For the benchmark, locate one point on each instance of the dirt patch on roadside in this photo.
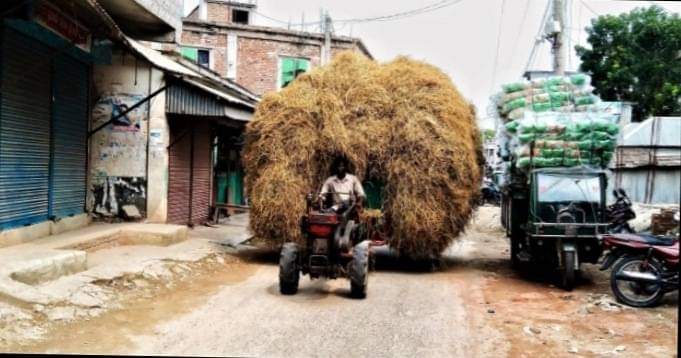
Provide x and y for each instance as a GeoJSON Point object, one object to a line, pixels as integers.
{"type": "Point", "coordinates": [547, 321]}
{"type": "Point", "coordinates": [141, 307]}
{"type": "Point", "coordinates": [535, 318]}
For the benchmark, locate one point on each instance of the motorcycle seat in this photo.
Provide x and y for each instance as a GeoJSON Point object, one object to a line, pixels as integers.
{"type": "Point", "coordinates": [657, 240]}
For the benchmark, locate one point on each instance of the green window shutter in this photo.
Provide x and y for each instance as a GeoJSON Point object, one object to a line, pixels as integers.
{"type": "Point", "coordinates": [290, 67]}
{"type": "Point", "coordinates": [288, 70]}
{"type": "Point", "coordinates": [190, 53]}
{"type": "Point", "coordinates": [302, 64]}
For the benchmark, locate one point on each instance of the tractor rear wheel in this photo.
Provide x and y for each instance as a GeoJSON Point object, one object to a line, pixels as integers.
{"type": "Point", "coordinates": [359, 270]}
{"type": "Point", "coordinates": [289, 274]}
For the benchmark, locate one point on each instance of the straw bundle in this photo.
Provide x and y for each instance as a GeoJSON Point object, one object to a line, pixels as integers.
{"type": "Point", "coordinates": [402, 123]}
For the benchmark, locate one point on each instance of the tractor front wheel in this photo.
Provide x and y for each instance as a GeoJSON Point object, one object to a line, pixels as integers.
{"type": "Point", "coordinates": [289, 274]}
{"type": "Point", "coordinates": [359, 270]}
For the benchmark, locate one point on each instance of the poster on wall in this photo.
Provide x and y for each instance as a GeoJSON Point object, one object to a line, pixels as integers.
{"type": "Point", "coordinates": [112, 195]}
{"type": "Point", "coordinates": [118, 155]}
{"type": "Point", "coordinates": [110, 108]}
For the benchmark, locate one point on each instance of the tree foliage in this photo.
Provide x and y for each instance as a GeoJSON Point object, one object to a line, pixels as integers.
{"type": "Point", "coordinates": [636, 57]}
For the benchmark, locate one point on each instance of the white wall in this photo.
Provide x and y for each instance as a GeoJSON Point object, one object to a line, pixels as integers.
{"type": "Point", "coordinates": [118, 172]}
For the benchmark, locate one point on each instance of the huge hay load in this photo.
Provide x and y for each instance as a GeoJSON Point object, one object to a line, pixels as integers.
{"type": "Point", "coordinates": [403, 124]}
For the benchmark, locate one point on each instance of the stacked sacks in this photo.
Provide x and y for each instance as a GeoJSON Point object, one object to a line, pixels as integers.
{"type": "Point", "coordinates": [558, 94]}
{"type": "Point", "coordinates": [554, 122]}
{"type": "Point", "coordinates": [562, 139]}
{"type": "Point", "coordinates": [403, 124]}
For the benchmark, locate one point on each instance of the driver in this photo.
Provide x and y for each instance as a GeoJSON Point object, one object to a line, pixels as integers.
{"type": "Point", "coordinates": [343, 186]}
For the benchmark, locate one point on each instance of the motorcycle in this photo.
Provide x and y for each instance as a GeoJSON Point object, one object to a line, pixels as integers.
{"type": "Point", "coordinates": [620, 212]}
{"type": "Point", "coordinates": [646, 267]}
{"type": "Point", "coordinates": [489, 193]}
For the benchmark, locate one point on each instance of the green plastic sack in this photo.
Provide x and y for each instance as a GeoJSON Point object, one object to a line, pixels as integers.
{"type": "Point", "coordinates": [580, 101]}
{"type": "Point", "coordinates": [516, 103]}
{"type": "Point", "coordinates": [571, 162]}
{"type": "Point", "coordinates": [597, 136]}
{"type": "Point", "coordinates": [559, 97]}
{"type": "Point", "coordinates": [523, 162]}
{"type": "Point", "coordinates": [553, 81]}
{"type": "Point", "coordinates": [608, 145]}
{"type": "Point", "coordinates": [572, 135]}
{"type": "Point", "coordinates": [526, 137]}
{"type": "Point", "coordinates": [585, 145]}
{"type": "Point", "coordinates": [513, 87]}
{"type": "Point", "coordinates": [578, 79]}
{"type": "Point", "coordinates": [541, 107]}
{"type": "Point", "coordinates": [512, 126]}
{"type": "Point", "coordinates": [554, 162]}
{"type": "Point", "coordinates": [540, 162]}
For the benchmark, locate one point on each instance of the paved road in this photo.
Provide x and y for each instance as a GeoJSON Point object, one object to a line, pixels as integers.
{"type": "Point", "coordinates": [474, 307]}
{"type": "Point", "coordinates": [404, 315]}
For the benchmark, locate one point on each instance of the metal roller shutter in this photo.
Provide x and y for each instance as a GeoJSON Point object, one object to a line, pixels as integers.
{"type": "Point", "coordinates": [189, 172]}
{"type": "Point", "coordinates": [201, 174]}
{"type": "Point", "coordinates": [24, 130]}
{"type": "Point", "coordinates": [179, 162]}
{"type": "Point", "coordinates": [69, 138]}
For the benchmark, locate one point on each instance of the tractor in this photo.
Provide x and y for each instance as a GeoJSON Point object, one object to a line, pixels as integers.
{"type": "Point", "coordinates": [334, 245]}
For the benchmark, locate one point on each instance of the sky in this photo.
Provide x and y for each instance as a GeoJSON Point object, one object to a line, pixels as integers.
{"type": "Point", "coordinates": [480, 44]}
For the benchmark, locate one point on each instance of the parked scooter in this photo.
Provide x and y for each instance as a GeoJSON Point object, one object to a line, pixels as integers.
{"type": "Point", "coordinates": [646, 267]}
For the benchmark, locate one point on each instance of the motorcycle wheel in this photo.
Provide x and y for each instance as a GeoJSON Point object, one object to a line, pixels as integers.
{"type": "Point", "coordinates": [568, 272]}
{"type": "Point", "coordinates": [632, 293]}
{"type": "Point", "coordinates": [289, 274]}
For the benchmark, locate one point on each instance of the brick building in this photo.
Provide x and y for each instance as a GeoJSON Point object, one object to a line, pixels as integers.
{"type": "Point", "coordinates": [218, 34]}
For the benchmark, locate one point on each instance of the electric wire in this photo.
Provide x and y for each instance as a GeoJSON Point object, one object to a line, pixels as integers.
{"type": "Point", "coordinates": [537, 39]}
{"type": "Point", "coordinates": [496, 56]}
{"type": "Point", "coordinates": [396, 16]}
{"type": "Point", "coordinates": [520, 28]}
{"type": "Point", "coordinates": [589, 8]}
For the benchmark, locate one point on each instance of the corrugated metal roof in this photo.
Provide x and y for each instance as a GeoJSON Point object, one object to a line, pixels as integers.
{"type": "Point", "coordinates": [217, 92]}
{"type": "Point", "coordinates": [655, 131]}
{"type": "Point", "coordinates": [199, 100]}
{"type": "Point", "coordinates": [218, 87]}
{"type": "Point", "coordinates": [159, 60]}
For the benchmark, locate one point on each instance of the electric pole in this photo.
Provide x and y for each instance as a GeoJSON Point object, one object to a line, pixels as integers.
{"type": "Point", "coordinates": [558, 35]}
{"type": "Point", "coordinates": [326, 53]}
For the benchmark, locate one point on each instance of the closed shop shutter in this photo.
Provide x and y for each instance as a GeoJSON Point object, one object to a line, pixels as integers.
{"type": "Point", "coordinates": [24, 130]}
{"type": "Point", "coordinates": [69, 138]}
{"type": "Point", "coordinates": [189, 172]}
{"type": "Point", "coordinates": [179, 162]}
{"type": "Point", "coordinates": [201, 174]}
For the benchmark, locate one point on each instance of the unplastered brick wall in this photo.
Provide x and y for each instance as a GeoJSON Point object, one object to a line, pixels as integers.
{"type": "Point", "coordinates": [215, 12]}
{"type": "Point", "coordinates": [258, 61]}
{"type": "Point", "coordinates": [215, 42]}
{"type": "Point", "coordinates": [218, 12]}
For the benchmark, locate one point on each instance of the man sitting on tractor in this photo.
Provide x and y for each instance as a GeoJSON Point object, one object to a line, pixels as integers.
{"type": "Point", "coordinates": [340, 191]}
{"type": "Point", "coordinates": [342, 186]}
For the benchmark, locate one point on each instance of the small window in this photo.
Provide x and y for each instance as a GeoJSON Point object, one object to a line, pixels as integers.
{"type": "Point", "coordinates": [291, 68]}
{"type": "Point", "coordinates": [240, 17]}
{"type": "Point", "coordinates": [203, 58]}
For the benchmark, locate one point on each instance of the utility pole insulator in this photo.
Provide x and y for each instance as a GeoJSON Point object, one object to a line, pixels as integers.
{"type": "Point", "coordinates": [558, 35]}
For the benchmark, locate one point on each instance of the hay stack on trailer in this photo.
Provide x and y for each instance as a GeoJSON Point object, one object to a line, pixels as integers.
{"type": "Point", "coordinates": [403, 124]}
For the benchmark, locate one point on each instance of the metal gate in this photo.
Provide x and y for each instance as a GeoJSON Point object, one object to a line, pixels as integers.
{"type": "Point", "coordinates": [25, 89]}
{"type": "Point", "coordinates": [69, 138]}
{"type": "Point", "coordinates": [189, 172]}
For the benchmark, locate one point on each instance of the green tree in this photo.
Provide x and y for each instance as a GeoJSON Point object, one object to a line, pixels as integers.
{"type": "Point", "coordinates": [488, 135]}
{"type": "Point", "coordinates": [636, 57]}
